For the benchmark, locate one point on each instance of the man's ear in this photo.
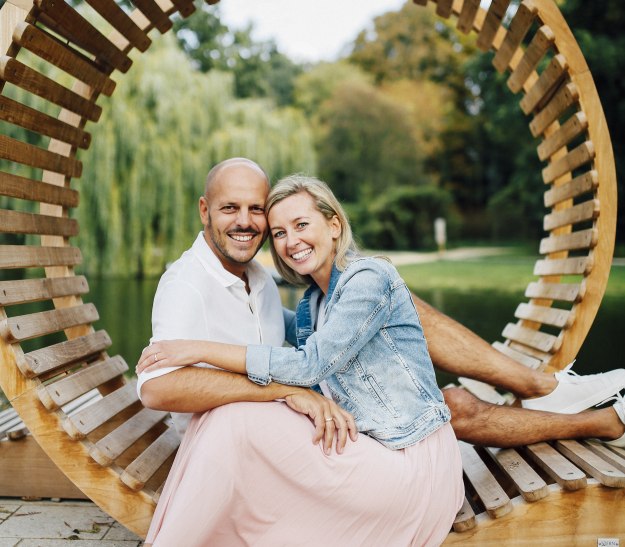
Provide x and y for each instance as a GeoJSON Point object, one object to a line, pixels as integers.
{"type": "Point", "coordinates": [203, 207]}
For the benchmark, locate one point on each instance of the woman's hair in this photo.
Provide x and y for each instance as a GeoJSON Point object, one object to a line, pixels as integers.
{"type": "Point", "coordinates": [327, 204]}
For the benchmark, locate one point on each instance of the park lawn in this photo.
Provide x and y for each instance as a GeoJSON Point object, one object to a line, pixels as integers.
{"type": "Point", "coordinates": [504, 274]}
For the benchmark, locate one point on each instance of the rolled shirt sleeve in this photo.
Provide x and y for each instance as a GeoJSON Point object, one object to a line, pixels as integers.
{"type": "Point", "coordinates": [360, 312]}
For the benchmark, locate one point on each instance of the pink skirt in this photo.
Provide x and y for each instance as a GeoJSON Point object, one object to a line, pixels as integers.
{"type": "Point", "coordinates": [248, 474]}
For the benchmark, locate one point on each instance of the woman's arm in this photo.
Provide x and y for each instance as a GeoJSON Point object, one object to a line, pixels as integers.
{"type": "Point", "coordinates": [173, 353]}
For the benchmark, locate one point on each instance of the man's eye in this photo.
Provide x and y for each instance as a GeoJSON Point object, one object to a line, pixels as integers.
{"type": "Point", "coordinates": [257, 210]}
{"type": "Point", "coordinates": [228, 208]}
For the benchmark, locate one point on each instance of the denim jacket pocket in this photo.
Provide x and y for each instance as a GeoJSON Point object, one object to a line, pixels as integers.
{"type": "Point", "coordinates": [381, 396]}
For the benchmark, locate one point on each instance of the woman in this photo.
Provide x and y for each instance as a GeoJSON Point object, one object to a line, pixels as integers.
{"type": "Point", "coordinates": [359, 338]}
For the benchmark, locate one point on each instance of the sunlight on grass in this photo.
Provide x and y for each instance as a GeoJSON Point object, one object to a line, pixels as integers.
{"type": "Point", "coordinates": [504, 274]}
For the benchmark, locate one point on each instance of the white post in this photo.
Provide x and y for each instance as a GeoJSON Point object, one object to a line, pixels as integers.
{"type": "Point", "coordinates": [440, 233]}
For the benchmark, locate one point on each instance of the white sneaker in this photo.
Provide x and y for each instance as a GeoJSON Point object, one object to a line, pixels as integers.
{"type": "Point", "coordinates": [619, 407]}
{"type": "Point", "coordinates": [575, 393]}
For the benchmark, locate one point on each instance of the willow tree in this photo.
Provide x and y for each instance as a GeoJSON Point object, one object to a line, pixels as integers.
{"type": "Point", "coordinates": [168, 123]}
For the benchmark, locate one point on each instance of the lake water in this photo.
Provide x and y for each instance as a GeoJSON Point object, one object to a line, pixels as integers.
{"type": "Point", "coordinates": [125, 308]}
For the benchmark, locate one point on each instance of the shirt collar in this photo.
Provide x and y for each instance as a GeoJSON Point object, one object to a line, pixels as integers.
{"type": "Point", "coordinates": [213, 265]}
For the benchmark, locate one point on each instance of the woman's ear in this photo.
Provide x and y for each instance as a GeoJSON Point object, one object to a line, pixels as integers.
{"type": "Point", "coordinates": [335, 227]}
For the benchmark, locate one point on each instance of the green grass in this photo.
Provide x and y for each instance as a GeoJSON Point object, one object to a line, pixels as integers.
{"type": "Point", "coordinates": [503, 273]}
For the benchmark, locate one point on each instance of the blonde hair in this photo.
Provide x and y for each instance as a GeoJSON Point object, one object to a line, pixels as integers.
{"type": "Point", "coordinates": [327, 204]}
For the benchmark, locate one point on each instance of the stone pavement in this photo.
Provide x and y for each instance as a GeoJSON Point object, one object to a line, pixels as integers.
{"type": "Point", "coordinates": [49, 523]}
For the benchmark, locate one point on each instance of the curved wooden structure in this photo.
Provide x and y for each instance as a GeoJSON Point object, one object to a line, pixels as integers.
{"type": "Point", "coordinates": [117, 452]}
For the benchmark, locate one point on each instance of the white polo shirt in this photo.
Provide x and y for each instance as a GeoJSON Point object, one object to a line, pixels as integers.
{"type": "Point", "coordinates": [197, 299]}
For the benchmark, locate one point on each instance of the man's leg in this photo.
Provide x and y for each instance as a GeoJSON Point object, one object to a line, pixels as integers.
{"type": "Point", "coordinates": [457, 350]}
{"type": "Point", "coordinates": [486, 424]}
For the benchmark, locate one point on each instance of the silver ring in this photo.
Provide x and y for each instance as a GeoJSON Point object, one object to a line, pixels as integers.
{"type": "Point", "coordinates": [329, 419]}
{"type": "Point", "coordinates": [155, 357]}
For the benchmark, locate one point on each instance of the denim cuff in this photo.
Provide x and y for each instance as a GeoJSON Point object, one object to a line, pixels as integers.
{"type": "Point", "coordinates": [257, 364]}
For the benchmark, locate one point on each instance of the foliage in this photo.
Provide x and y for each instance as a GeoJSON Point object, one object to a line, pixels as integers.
{"type": "Point", "coordinates": [366, 143]}
{"type": "Point", "coordinates": [151, 151]}
{"type": "Point", "coordinates": [402, 218]}
{"type": "Point", "coordinates": [259, 69]}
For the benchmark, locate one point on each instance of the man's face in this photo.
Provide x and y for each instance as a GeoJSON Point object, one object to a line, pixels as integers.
{"type": "Point", "coordinates": [233, 215]}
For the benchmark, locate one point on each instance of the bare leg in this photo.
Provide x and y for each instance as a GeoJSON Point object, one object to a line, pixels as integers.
{"type": "Point", "coordinates": [486, 424]}
{"type": "Point", "coordinates": [457, 350]}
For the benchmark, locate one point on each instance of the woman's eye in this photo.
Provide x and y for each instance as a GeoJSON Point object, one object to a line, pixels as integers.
{"type": "Point", "coordinates": [278, 234]}
{"type": "Point", "coordinates": [302, 224]}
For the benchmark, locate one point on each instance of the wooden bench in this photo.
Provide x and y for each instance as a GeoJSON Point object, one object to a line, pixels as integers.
{"type": "Point", "coordinates": [117, 452]}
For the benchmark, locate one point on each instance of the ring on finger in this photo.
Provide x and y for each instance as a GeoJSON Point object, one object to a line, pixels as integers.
{"type": "Point", "coordinates": [329, 419]}
{"type": "Point", "coordinates": [155, 357]}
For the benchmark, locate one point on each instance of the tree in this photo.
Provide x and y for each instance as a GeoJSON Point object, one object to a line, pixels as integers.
{"type": "Point", "coordinates": [259, 69]}
{"type": "Point", "coordinates": [367, 144]}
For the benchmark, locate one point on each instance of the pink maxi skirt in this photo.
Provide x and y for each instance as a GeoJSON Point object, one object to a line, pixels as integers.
{"type": "Point", "coordinates": [248, 474]}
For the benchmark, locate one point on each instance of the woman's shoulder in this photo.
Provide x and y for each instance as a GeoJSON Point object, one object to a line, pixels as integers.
{"type": "Point", "coordinates": [371, 267]}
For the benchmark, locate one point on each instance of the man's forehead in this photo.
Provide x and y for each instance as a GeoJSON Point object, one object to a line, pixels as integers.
{"type": "Point", "coordinates": [241, 179]}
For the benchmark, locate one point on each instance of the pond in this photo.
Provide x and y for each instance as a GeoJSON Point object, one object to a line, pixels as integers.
{"type": "Point", "coordinates": [125, 308]}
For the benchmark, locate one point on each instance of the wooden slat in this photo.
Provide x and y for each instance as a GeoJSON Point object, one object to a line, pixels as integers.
{"type": "Point", "coordinates": [467, 15]}
{"type": "Point", "coordinates": [549, 79]}
{"type": "Point", "coordinates": [541, 42]}
{"type": "Point", "coordinates": [15, 222]}
{"type": "Point", "coordinates": [185, 7]}
{"type": "Point", "coordinates": [556, 466]}
{"type": "Point", "coordinates": [34, 290]}
{"type": "Point", "coordinates": [155, 14]}
{"type": "Point", "coordinates": [591, 463]}
{"type": "Point", "coordinates": [28, 154]}
{"type": "Point", "coordinates": [580, 265]}
{"type": "Point", "coordinates": [140, 470]}
{"type": "Point", "coordinates": [546, 315]}
{"type": "Point", "coordinates": [418, 2]}
{"type": "Point", "coordinates": [529, 484]}
{"type": "Point", "coordinates": [110, 447]}
{"type": "Point", "coordinates": [570, 130]}
{"type": "Point", "coordinates": [495, 500]}
{"type": "Point", "coordinates": [563, 99]}
{"type": "Point", "coordinates": [588, 182]}
{"type": "Point", "coordinates": [443, 8]}
{"type": "Point", "coordinates": [25, 327]}
{"type": "Point", "coordinates": [71, 25]}
{"type": "Point", "coordinates": [56, 394]}
{"type": "Point", "coordinates": [542, 356]}
{"type": "Point", "coordinates": [482, 390]}
{"type": "Point", "coordinates": [518, 356]}
{"type": "Point", "coordinates": [63, 354]}
{"type": "Point", "coordinates": [34, 82]}
{"type": "Point", "coordinates": [465, 518]}
{"type": "Point", "coordinates": [23, 188]}
{"type": "Point", "coordinates": [588, 210]}
{"type": "Point", "coordinates": [85, 421]}
{"type": "Point", "coordinates": [24, 256]}
{"type": "Point", "coordinates": [579, 156]}
{"type": "Point", "coordinates": [583, 239]}
{"type": "Point", "coordinates": [157, 495]}
{"type": "Point", "coordinates": [492, 22]}
{"type": "Point", "coordinates": [530, 337]}
{"type": "Point", "coordinates": [122, 23]}
{"type": "Point", "coordinates": [567, 292]}
{"type": "Point", "coordinates": [33, 120]}
{"type": "Point", "coordinates": [606, 454]}
{"type": "Point", "coordinates": [519, 27]}
{"type": "Point", "coordinates": [62, 56]}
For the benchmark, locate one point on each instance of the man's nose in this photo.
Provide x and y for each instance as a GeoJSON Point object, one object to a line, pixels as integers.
{"type": "Point", "coordinates": [244, 218]}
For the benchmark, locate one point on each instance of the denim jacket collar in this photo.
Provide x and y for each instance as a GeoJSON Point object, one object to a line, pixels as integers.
{"type": "Point", "coordinates": [304, 319]}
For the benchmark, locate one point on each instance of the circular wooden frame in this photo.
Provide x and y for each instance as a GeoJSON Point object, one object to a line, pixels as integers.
{"type": "Point", "coordinates": [116, 438]}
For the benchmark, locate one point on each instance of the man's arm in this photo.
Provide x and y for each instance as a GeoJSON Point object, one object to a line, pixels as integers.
{"type": "Point", "coordinates": [195, 389]}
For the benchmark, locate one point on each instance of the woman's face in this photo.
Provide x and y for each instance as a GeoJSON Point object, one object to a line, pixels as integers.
{"type": "Point", "coordinates": [303, 238]}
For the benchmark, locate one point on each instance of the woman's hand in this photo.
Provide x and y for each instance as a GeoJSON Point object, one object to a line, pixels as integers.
{"type": "Point", "coordinates": [329, 418]}
{"type": "Point", "coordinates": [169, 353]}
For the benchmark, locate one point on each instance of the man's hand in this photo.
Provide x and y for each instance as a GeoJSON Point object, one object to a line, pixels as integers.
{"type": "Point", "coordinates": [329, 418]}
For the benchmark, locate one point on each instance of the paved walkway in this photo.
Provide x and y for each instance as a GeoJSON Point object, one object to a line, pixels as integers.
{"type": "Point", "coordinates": [49, 523]}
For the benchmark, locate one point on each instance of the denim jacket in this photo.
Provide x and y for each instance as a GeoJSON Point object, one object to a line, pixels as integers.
{"type": "Point", "coordinates": [371, 351]}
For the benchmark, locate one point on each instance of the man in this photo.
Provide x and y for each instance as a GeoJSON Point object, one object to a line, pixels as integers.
{"type": "Point", "coordinates": [216, 291]}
